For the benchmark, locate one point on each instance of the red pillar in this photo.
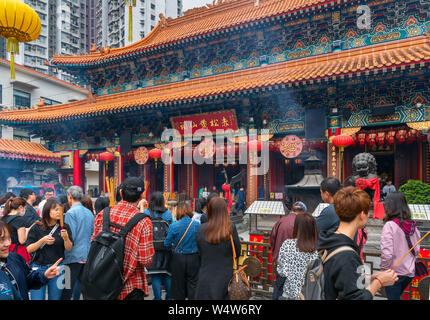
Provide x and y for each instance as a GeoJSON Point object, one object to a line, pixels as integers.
{"type": "Point", "coordinates": [77, 169]}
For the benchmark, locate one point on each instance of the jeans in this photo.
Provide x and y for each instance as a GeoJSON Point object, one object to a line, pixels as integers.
{"type": "Point", "coordinates": [77, 291]}
{"type": "Point", "coordinates": [157, 281]}
{"type": "Point", "coordinates": [55, 285]}
{"type": "Point", "coordinates": [395, 291]}
{"type": "Point", "coordinates": [278, 287]}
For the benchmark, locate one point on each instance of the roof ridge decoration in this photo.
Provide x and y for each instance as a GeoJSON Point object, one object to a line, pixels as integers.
{"type": "Point", "coordinates": [198, 22]}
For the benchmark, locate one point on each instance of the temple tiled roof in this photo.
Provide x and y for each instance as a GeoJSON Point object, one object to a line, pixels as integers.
{"type": "Point", "coordinates": [24, 150]}
{"type": "Point", "coordinates": [199, 22]}
{"type": "Point", "coordinates": [386, 56]}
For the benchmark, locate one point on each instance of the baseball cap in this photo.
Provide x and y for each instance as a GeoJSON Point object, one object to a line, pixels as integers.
{"type": "Point", "coordinates": [301, 205]}
{"type": "Point", "coordinates": [133, 183]}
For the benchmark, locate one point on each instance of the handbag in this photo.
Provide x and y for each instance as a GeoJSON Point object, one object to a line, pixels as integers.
{"type": "Point", "coordinates": [238, 287]}
{"type": "Point", "coordinates": [420, 267]}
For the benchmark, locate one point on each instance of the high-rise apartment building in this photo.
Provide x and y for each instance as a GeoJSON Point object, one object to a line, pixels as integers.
{"type": "Point", "coordinates": [112, 18]}
{"type": "Point", "coordinates": [35, 53]}
{"type": "Point", "coordinates": [71, 26]}
{"type": "Point", "coordinates": [63, 31]}
{"type": "Point", "coordinates": [67, 30]}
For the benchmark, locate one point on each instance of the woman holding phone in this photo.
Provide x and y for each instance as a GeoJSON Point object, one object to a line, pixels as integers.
{"type": "Point", "coordinates": [47, 241]}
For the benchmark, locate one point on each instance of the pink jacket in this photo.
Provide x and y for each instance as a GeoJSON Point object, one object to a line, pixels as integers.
{"type": "Point", "coordinates": [393, 247]}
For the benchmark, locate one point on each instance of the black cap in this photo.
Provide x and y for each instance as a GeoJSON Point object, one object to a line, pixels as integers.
{"type": "Point", "coordinates": [133, 183]}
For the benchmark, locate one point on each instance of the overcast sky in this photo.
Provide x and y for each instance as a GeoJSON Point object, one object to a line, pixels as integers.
{"type": "Point", "coordinates": [189, 4]}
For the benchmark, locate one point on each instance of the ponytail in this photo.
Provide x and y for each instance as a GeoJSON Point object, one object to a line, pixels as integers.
{"type": "Point", "coordinates": [7, 208]}
{"type": "Point", "coordinates": [13, 204]}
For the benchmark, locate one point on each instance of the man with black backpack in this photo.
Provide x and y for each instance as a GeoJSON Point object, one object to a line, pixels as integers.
{"type": "Point", "coordinates": [122, 234]}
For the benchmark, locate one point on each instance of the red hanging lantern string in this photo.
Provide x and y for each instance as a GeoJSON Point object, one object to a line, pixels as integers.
{"type": "Point", "coordinates": [342, 142]}
{"type": "Point", "coordinates": [155, 154]}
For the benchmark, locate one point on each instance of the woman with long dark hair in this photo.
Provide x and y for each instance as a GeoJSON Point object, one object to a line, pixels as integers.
{"type": "Point", "coordinates": [399, 234]}
{"type": "Point", "coordinates": [47, 241]}
{"type": "Point", "coordinates": [160, 267]}
{"type": "Point", "coordinates": [295, 254]}
{"type": "Point", "coordinates": [216, 252]}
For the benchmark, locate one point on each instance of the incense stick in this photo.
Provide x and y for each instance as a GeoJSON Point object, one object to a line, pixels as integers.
{"type": "Point", "coordinates": [61, 217]}
{"type": "Point", "coordinates": [411, 249]}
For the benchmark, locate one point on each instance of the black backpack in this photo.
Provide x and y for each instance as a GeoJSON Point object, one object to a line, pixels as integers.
{"type": "Point", "coordinates": [160, 229]}
{"type": "Point", "coordinates": [102, 277]}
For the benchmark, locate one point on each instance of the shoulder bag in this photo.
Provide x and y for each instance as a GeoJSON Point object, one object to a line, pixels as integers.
{"type": "Point", "coordinates": [184, 234]}
{"type": "Point", "coordinates": [238, 287]}
{"type": "Point", "coordinates": [420, 268]}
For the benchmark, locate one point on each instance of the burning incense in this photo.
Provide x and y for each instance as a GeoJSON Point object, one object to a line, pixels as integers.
{"type": "Point", "coordinates": [411, 249]}
{"type": "Point", "coordinates": [61, 217]}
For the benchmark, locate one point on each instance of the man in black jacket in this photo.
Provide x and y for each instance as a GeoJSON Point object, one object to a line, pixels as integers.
{"type": "Point", "coordinates": [328, 219]}
{"type": "Point", "coordinates": [344, 274]}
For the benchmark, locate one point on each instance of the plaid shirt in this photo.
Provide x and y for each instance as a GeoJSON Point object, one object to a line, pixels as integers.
{"type": "Point", "coordinates": [138, 249]}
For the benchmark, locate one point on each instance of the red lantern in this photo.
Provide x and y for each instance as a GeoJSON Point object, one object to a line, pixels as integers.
{"type": "Point", "coordinates": [381, 138]}
{"type": "Point", "coordinates": [401, 136]}
{"type": "Point", "coordinates": [155, 154]}
{"type": "Point", "coordinates": [342, 141]}
{"type": "Point", "coordinates": [371, 139]}
{"type": "Point", "coordinates": [106, 156]}
{"type": "Point", "coordinates": [361, 139]}
{"type": "Point", "coordinates": [390, 137]}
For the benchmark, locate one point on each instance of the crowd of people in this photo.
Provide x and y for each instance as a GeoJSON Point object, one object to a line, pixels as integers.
{"type": "Point", "coordinates": [339, 232]}
{"type": "Point", "coordinates": [40, 241]}
{"type": "Point", "coordinates": [189, 255]}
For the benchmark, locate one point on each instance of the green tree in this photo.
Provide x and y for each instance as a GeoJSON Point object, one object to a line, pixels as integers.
{"type": "Point", "coordinates": [416, 192]}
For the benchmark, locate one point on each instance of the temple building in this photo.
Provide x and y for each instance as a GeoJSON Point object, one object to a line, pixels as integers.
{"type": "Point", "coordinates": [305, 70]}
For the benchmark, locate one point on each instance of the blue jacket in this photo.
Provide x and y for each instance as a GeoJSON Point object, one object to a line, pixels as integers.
{"type": "Point", "coordinates": [241, 197]}
{"type": "Point", "coordinates": [26, 278]}
{"type": "Point", "coordinates": [188, 245]}
{"type": "Point", "coordinates": [81, 223]}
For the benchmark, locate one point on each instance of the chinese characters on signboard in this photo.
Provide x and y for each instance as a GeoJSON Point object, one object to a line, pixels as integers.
{"type": "Point", "coordinates": [223, 120]}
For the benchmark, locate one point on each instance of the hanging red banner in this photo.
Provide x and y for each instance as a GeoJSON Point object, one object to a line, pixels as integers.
{"type": "Point", "coordinates": [211, 121]}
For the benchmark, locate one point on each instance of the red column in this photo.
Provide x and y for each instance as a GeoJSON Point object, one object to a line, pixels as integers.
{"type": "Point", "coordinates": [77, 173]}
{"type": "Point", "coordinates": [194, 180]}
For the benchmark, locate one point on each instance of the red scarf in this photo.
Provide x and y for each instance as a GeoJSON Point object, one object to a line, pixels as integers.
{"type": "Point", "coordinates": [227, 190]}
{"type": "Point", "coordinates": [373, 183]}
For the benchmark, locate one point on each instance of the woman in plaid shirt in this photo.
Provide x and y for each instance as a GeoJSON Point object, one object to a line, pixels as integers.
{"type": "Point", "coordinates": [138, 250]}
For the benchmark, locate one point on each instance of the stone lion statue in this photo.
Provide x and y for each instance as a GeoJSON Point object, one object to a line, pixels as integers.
{"type": "Point", "coordinates": [364, 166]}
